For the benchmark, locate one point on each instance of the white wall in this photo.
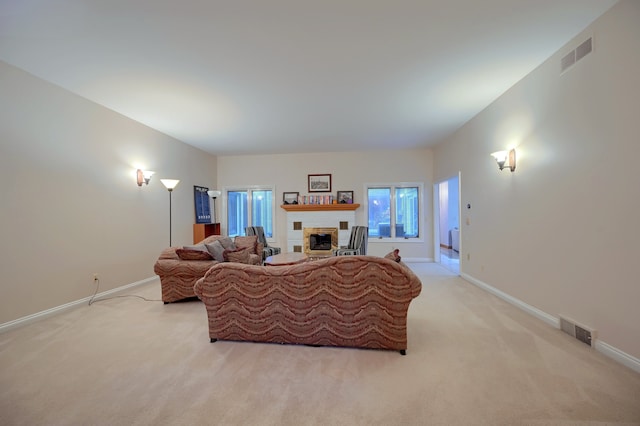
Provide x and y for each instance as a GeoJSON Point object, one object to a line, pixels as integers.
{"type": "Point", "coordinates": [69, 202]}
{"type": "Point", "coordinates": [350, 171]}
{"type": "Point", "coordinates": [561, 232]}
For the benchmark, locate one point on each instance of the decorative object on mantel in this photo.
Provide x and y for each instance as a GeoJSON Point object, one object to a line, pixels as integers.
{"type": "Point", "coordinates": [315, 199]}
{"type": "Point", "coordinates": [319, 183]}
{"type": "Point", "coordinates": [345, 197]}
{"type": "Point", "coordinates": [290, 197]}
{"type": "Point", "coordinates": [318, 207]}
{"type": "Point", "coordinates": [201, 199]}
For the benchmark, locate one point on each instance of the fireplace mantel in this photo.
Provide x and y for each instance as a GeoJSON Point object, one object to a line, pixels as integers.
{"type": "Point", "coordinates": [318, 207]}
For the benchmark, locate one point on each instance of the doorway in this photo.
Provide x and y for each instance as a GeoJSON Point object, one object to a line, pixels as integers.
{"type": "Point", "coordinates": [447, 224]}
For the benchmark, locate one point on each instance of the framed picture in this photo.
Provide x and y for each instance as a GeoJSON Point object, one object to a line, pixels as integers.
{"type": "Point", "coordinates": [201, 198]}
{"type": "Point", "coordinates": [319, 183]}
{"type": "Point", "coordinates": [345, 197]}
{"type": "Point", "coordinates": [290, 197]}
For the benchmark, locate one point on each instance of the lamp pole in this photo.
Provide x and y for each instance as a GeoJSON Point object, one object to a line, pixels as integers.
{"type": "Point", "coordinates": [170, 184]}
{"type": "Point", "coordinates": [214, 194]}
{"type": "Point", "coordinates": [170, 191]}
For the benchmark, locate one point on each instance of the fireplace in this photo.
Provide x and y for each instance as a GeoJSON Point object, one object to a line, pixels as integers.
{"type": "Point", "coordinates": [322, 216]}
{"type": "Point", "coordinates": [320, 241]}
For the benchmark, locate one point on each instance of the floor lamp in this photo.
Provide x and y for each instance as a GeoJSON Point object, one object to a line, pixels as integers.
{"type": "Point", "coordinates": [170, 184]}
{"type": "Point", "coordinates": [214, 194]}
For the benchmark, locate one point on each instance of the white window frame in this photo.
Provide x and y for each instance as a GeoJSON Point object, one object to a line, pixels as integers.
{"type": "Point", "coordinates": [421, 211]}
{"type": "Point", "coordinates": [250, 189]}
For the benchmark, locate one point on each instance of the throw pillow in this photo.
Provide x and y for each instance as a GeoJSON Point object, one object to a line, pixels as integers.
{"type": "Point", "coordinates": [394, 255]}
{"type": "Point", "coordinates": [216, 250]}
{"type": "Point", "coordinates": [200, 247]}
{"type": "Point", "coordinates": [250, 241]}
{"type": "Point", "coordinates": [189, 254]}
{"type": "Point", "coordinates": [227, 243]}
{"type": "Point", "coordinates": [238, 255]}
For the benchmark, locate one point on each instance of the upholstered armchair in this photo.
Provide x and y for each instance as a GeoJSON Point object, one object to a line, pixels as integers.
{"type": "Point", "coordinates": [357, 242]}
{"type": "Point", "coordinates": [259, 232]}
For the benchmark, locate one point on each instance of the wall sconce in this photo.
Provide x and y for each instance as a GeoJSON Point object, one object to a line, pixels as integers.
{"type": "Point", "coordinates": [144, 176]}
{"type": "Point", "coordinates": [214, 194]}
{"type": "Point", "coordinates": [505, 159]}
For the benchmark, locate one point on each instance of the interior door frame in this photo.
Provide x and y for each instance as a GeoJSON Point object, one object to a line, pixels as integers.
{"type": "Point", "coordinates": [436, 217]}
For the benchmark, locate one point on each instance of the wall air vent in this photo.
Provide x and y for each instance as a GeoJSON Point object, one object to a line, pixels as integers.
{"type": "Point", "coordinates": [584, 334]}
{"type": "Point", "coordinates": [576, 54]}
{"type": "Point", "coordinates": [584, 49]}
{"type": "Point", "coordinates": [567, 60]}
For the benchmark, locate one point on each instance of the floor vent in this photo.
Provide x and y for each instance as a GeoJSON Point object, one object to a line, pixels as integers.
{"type": "Point", "coordinates": [576, 54]}
{"type": "Point", "coordinates": [584, 334]}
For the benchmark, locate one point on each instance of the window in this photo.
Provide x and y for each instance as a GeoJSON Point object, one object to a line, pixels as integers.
{"type": "Point", "coordinates": [250, 207]}
{"type": "Point", "coordinates": [394, 211]}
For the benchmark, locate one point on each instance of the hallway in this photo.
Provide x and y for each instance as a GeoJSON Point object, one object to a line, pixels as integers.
{"type": "Point", "coordinates": [450, 259]}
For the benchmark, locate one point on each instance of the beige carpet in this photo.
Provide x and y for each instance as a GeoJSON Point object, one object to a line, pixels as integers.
{"type": "Point", "coordinates": [472, 360]}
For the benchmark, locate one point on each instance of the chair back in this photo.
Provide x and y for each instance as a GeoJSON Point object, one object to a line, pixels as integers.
{"type": "Point", "coordinates": [258, 231]}
{"type": "Point", "coordinates": [359, 238]}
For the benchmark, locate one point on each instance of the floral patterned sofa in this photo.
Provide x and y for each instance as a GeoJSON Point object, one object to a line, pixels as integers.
{"type": "Point", "coordinates": [180, 267]}
{"type": "Point", "coordinates": [350, 301]}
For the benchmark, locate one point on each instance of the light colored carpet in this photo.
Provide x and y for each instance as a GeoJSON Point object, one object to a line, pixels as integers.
{"type": "Point", "coordinates": [472, 360]}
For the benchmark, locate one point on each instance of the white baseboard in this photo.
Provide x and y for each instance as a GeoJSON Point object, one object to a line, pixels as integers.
{"type": "Point", "coordinates": [602, 347]}
{"type": "Point", "coordinates": [549, 319]}
{"type": "Point", "coordinates": [417, 259]}
{"type": "Point", "coordinates": [616, 354]}
{"type": "Point", "coordinates": [59, 309]}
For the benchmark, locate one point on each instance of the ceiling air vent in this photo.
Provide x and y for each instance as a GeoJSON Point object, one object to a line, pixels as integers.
{"type": "Point", "coordinates": [576, 54]}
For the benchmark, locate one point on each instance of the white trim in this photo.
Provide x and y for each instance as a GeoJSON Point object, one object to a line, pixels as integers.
{"type": "Point", "coordinates": [249, 189]}
{"type": "Point", "coordinates": [59, 309]}
{"type": "Point", "coordinates": [549, 319]}
{"type": "Point", "coordinates": [436, 222]}
{"type": "Point", "coordinates": [422, 230]}
{"type": "Point", "coordinates": [602, 347]}
{"type": "Point", "coordinates": [417, 260]}
{"type": "Point", "coordinates": [617, 355]}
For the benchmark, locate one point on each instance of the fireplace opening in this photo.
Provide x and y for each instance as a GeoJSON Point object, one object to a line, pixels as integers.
{"type": "Point", "coordinates": [320, 241]}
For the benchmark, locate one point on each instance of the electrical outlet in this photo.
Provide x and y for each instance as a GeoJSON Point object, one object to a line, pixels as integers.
{"type": "Point", "coordinates": [95, 276]}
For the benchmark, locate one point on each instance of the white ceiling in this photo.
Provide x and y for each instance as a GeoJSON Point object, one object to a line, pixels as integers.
{"type": "Point", "coordinates": [275, 76]}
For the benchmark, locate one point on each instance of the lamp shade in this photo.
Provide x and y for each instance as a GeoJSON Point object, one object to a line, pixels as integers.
{"type": "Point", "coordinates": [505, 159]}
{"type": "Point", "coordinates": [143, 176]}
{"type": "Point", "coordinates": [500, 156]}
{"type": "Point", "coordinates": [214, 193]}
{"type": "Point", "coordinates": [170, 183]}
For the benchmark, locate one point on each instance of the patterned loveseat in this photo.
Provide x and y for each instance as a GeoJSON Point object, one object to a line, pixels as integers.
{"type": "Point", "coordinates": [351, 301]}
{"type": "Point", "coordinates": [178, 275]}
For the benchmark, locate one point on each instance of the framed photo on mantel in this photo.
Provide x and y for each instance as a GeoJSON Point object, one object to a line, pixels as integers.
{"type": "Point", "coordinates": [290, 197]}
{"type": "Point", "coordinates": [319, 183]}
{"type": "Point", "coordinates": [345, 197]}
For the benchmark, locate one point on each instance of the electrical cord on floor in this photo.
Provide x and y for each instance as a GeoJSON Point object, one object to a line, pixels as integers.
{"type": "Point", "coordinates": [93, 298]}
